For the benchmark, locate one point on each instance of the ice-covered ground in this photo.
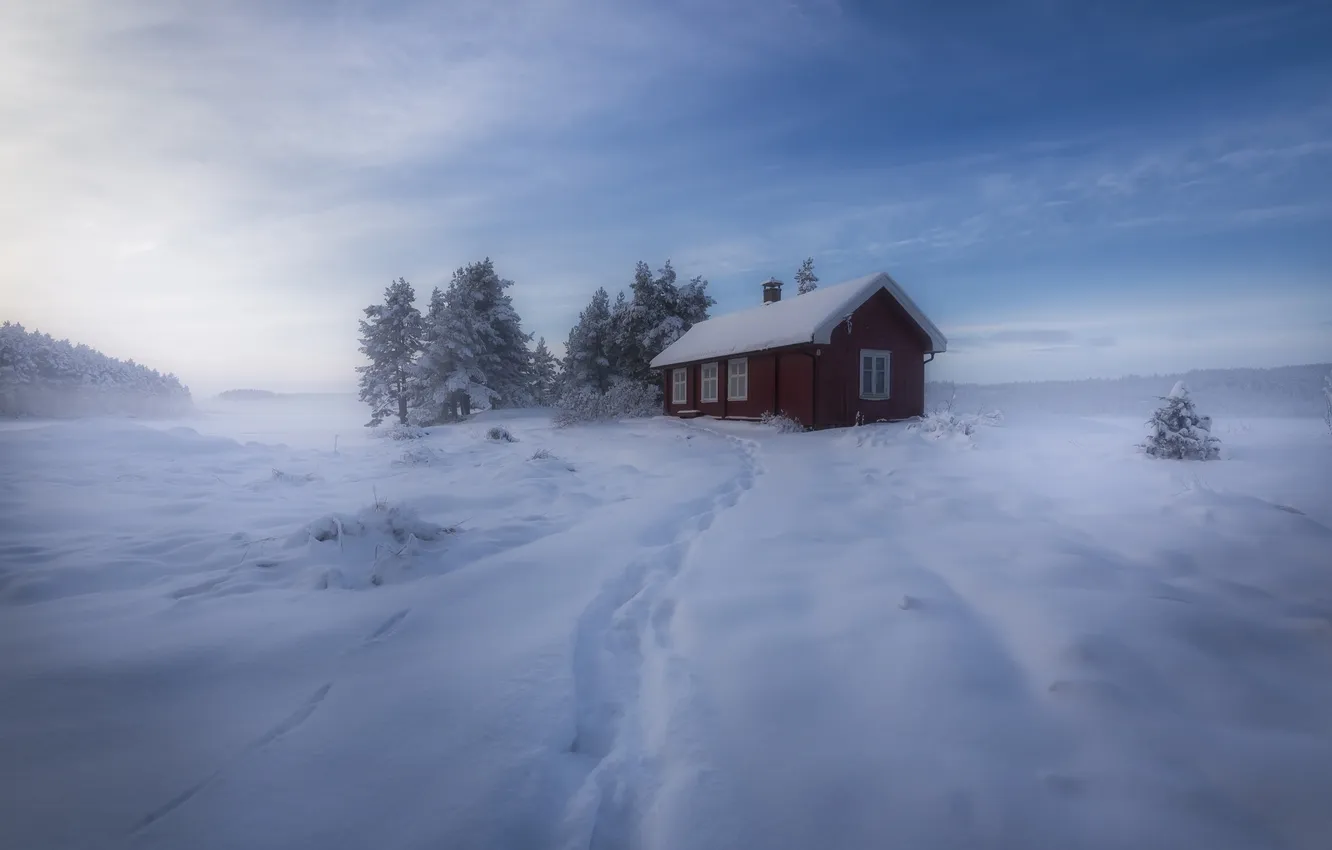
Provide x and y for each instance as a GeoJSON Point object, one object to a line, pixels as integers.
{"type": "Point", "coordinates": [226, 633]}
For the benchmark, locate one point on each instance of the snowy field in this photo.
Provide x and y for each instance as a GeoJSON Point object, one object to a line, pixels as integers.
{"type": "Point", "coordinates": [229, 632]}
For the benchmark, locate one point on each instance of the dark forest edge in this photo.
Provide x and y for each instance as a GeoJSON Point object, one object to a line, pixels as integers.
{"type": "Point", "coordinates": [41, 376]}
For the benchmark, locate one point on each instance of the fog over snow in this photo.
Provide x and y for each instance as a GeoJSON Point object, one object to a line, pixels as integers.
{"type": "Point", "coordinates": [234, 616]}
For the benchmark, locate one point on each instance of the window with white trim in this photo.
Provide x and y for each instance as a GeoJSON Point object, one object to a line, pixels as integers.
{"type": "Point", "coordinates": [737, 379]}
{"type": "Point", "coordinates": [707, 384]}
{"type": "Point", "coordinates": [679, 386]}
{"type": "Point", "coordinates": [874, 369]}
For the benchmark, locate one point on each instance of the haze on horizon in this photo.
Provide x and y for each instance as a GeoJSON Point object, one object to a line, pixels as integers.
{"type": "Point", "coordinates": [1069, 190]}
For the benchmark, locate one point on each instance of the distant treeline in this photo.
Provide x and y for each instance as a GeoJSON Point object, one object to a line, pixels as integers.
{"type": "Point", "coordinates": [1279, 391]}
{"type": "Point", "coordinates": [44, 376]}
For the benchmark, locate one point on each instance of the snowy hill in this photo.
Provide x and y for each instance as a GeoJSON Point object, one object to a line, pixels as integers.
{"type": "Point", "coordinates": [46, 377]}
{"type": "Point", "coordinates": [250, 633]}
{"type": "Point", "coordinates": [1282, 391]}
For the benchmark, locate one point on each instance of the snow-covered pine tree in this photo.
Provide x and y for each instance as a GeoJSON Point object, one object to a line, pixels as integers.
{"type": "Point", "coordinates": [587, 353]}
{"type": "Point", "coordinates": [1178, 432]}
{"type": "Point", "coordinates": [806, 280]}
{"type": "Point", "coordinates": [544, 375]}
{"type": "Point", "coordinates": [657, 314]}
{"type": "Point", "coordinates": [475, 349]}
{"type": "Point", "coordinates": [504, 355]}
{"type": "Point", "coordinates": [432, 401]}
{"type": "Point", "coordinates": [391, 338]}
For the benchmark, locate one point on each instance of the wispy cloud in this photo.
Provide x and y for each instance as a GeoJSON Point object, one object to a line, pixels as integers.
{"type": "Point", "coordinates": [181, 176]}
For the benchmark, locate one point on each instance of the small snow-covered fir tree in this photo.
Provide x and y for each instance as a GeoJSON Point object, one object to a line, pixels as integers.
{"type": "Point", "coordinates": [544, 374]}
{"type": "Point", "coordinates": [391, 338]}
{"type": "Point", "coordinates": [1178, 432]}
{"type": "Point", "coordinates": [806, 280]}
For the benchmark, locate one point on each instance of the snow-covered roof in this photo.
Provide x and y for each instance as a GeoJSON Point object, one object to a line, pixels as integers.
{"type": "Point", "coordinates": [802, 318]}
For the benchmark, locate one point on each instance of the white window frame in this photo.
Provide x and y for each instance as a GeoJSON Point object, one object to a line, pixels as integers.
{"type": "Point", "coordinates": [705, 381]}
{"type": "Point", "coordinates": [680, 386]}
{"type": "Point", "coordinates": [878, 356]}
{"type": "Point", "coordinates": [737, 377]}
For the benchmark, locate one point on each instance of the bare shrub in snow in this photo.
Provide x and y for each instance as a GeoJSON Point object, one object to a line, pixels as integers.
{"type": "Point", "coordinates": [783, 423]}
{"type": "Point", "coordinates": [943, 421]}
{"type": "Point", "coordinates": [541, 454]}
{"type": "Point", "coordinates": [416, 456]}
{"type": "Point", "coordinates": [1177, 431]}
{"type": "Point", "coordinates": [293, 478]}
{"type": "Point", "coordinates": [624, 400]}
{"type": "Point", "coordinates": [398, 522]}
{"type": "Point", "coordinates": [401, 432]}
{"type": "Point", "coordinates": [500, 434]}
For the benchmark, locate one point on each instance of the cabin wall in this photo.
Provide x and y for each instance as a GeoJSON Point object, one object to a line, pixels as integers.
{"type": "Point", "coordinates": [795, 386]}
{"type": "Point", "coordinates": [763, 388]}
{"type": "Point", "coordinates": [879, 323]}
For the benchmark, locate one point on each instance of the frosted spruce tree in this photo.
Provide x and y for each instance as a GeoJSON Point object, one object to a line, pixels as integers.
{"type": "Point", "coordinates": [1178, 432]}
{"type": "Point", "coordinates": [433, 400]}
{"type": "Point", "coordinates": [587, 359]}
{"type": "Point", "coordinates": [391, 338]}
{"type": "Point", "coordinates": [475, 352]}
{"type": "Point", "coordinates": [544, 375]}
{"type": "Point", "coordinates": [806, 280]}
{"type": "Point", "coordinates": [657, 313]}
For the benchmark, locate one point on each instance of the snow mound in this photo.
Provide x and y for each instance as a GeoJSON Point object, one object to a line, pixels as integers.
{"type": "Point", "coordinates": [945, 424]}
{"type": "Point", "coordinates": [378, 545]}
{"type": "Point", "coordinates": [417, 456]}
{"type": "Point", "coordinates": [500, 434]}
{"type": "Point", "coordinates": [296, 479]}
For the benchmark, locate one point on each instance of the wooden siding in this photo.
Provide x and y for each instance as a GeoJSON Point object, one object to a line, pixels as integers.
{"type": "Point", "coordinates": [880, 323]}
{"type": "Point", "coordinates": [795, 386]}
{"type": "Point", "coordinates": [820, 384]}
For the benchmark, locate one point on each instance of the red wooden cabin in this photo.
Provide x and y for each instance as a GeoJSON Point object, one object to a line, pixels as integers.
{"type": "Point", "coordinates": [853, 351]}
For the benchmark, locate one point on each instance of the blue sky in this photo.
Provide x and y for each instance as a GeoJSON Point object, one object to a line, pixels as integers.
{"type": "Point", "coordinates": [1068, 189]}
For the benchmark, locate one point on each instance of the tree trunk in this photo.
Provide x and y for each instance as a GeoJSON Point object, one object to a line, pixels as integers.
{"type": "Point", "coordinates": [402, 408]}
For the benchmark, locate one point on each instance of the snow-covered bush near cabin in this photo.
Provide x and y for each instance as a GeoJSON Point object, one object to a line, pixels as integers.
{"type": "Point", "coordinates": [1178, 432]}
{"type": "Point", "coordinates": [416, 455]}
{"type": "Point", "coordinates": [781, 422]}
{"type": "Point", "coordinates": [44, 376]}
{"type": "Point", "coordinates": [624, 400]}
{"type": "Point", "coordinates": [400, 432]}
{"type": "Point", "coordinates": [944, 421]}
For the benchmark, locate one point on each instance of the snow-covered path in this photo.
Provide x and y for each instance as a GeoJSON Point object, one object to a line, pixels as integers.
{"type": "Point", "coordinates": [936, 650]}
{"type": "Point", "coordinates": [662, 634]}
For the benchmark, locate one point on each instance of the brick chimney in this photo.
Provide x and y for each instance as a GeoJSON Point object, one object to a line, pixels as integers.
{"type": "Point", "coordinates": [772, 291]}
